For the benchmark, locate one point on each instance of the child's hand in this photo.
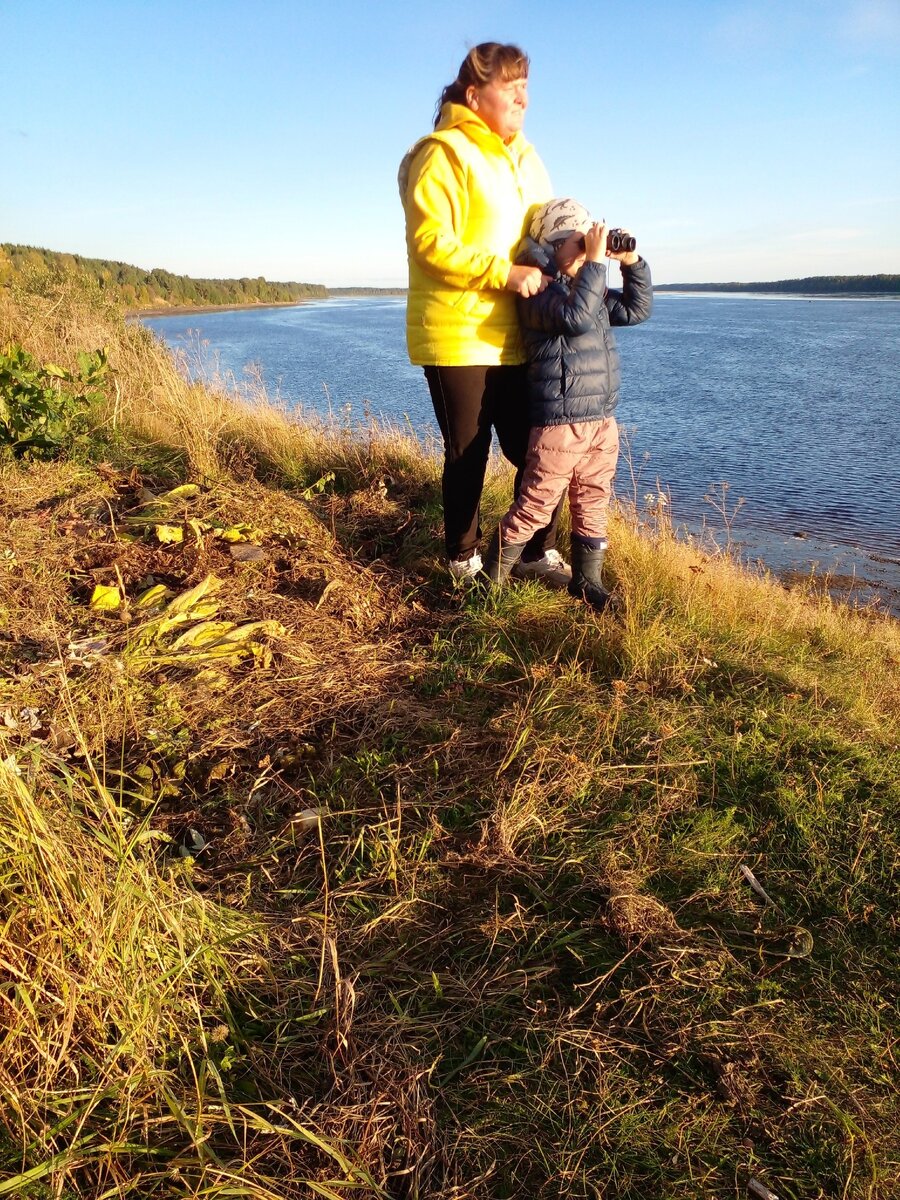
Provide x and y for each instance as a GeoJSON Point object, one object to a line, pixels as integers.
{"type": "Point", "coordinates": [627, 257]}
{"type": "Point", "coordinates": [595, 242]}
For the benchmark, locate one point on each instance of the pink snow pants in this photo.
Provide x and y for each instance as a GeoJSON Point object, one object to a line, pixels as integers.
{"type": "Point", "coordinates": [579, 457]}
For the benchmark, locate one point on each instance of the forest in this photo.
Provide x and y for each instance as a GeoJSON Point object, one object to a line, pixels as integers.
{"type": "Point", "coordinates": [813, 285]}
{"type": "Point", "coordinates": [136, 288]}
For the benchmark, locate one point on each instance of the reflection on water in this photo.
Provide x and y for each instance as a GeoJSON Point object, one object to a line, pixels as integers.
{"type": "Point", "coordinates": [792, 402]}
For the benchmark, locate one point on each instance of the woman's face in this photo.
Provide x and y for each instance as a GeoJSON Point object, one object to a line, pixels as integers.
{"type": "Point", "coordinates": [501, 105]}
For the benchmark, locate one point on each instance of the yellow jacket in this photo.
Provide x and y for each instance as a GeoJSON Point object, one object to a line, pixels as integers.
{"type": "Point", "coordinates": [468, 197]}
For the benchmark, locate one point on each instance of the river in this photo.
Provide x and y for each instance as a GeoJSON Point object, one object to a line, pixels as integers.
{"type": "Point", "coordinates": [789, 401]}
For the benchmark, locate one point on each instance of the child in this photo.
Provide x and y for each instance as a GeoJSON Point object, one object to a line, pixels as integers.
{"type": "Point", "coordinates": [573, 388]}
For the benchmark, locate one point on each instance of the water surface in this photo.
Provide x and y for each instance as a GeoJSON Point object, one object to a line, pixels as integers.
{"type": "Point", "coordinates": [790, 401]}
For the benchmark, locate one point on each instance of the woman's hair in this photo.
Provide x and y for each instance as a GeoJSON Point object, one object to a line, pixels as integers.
{"type": "Point", "coordinates": [483, 64]}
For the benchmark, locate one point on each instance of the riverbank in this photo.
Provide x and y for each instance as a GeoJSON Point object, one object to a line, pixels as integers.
{"type": "Point", "coordinates": [185, 310]}
{"type": "Point", "coordinates": [360, 293]}
{"type": "Point", "coordinates": [321, 876]}
{"type": "Point", "coordinates": [846, 573]}
{"type": "Point", "coordinates": [664, 290]}
{"type": "Point", "coordinates": [787, 514]}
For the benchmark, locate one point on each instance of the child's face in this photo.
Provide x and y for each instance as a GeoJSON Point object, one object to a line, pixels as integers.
{"type": "Point", "coordinates": [570, 254]}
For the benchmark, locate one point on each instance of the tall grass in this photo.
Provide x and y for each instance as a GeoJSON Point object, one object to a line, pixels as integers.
{"type": "Point", "coordinates": [117, 983]}
{"type": "Point", "coordinates": [497, 898]}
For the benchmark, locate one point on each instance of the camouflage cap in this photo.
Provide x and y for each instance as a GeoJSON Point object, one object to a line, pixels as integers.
{"type": "Point", "coordinates": [556, 219]}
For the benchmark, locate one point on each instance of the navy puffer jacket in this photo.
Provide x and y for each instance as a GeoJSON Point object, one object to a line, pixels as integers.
{"type": "Point", "coordinates": [573, 363]}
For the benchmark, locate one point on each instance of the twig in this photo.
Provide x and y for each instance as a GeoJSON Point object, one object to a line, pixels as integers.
{"type": "Point", "coordinates": [759, 1191]}
{"type": "Point", "coordinates": [757, 886]}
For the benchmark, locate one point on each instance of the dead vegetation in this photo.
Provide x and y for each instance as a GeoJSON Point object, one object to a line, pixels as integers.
{"type": "Point", "coordinates": [322, 878]}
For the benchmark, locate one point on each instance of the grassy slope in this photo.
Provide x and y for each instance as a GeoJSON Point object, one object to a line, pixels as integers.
{"type": "Point", "coordinates": [517, 955]}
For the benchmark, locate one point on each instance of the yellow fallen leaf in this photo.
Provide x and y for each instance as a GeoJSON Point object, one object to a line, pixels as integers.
{"type": "Point", "coordinates": [153, 597]}
{"type": "Point", "coordinates": [241, 532]}
{"type": "Point", "coordinates": [199, 528]}
{"type": "Point", "coordinates": [207, 633]}
{"type": "Point", "coordinates": [243, 633]}
{"type": "Point", "coordinates": [105, 599]}
{"type": "Point", "coordinates": [196, 604]}
{"type": "Point", "coordinates": [169, 535]}
{"type": "Point", "coordinates": [187, 491]}
{"type": "Point", "coordinates": [195, 600]}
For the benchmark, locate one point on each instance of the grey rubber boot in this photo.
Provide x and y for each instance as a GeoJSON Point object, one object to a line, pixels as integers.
{"type": "Point", "coordinates": [587, 569]}
{"type": "Point", "coordinates": [500, 559]}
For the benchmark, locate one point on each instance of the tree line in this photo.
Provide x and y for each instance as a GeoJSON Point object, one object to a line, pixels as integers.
{"type": "Point", "coordinates": [812, 285]}
{"type": "Point", "coordinates": [136, 288]}
{"type": "Point", "coordinates": [367, 291]}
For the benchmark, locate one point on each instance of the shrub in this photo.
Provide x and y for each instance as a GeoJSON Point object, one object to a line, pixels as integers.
{"type": "Point", "coordinates": [43, 408]}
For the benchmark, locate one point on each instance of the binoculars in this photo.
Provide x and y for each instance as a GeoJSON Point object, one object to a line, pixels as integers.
{"type": "Point", "coordinates": [618, 240]}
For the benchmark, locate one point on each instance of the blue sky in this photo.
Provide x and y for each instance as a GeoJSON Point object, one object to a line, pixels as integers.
{"type": "Point", "coordinates": [738, 139]}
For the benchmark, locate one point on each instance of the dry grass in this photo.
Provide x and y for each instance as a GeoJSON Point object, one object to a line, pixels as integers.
{"type": "Point", "coordinates": [470, 920]}
{"type": "Point", "coordinates": [113, 971]}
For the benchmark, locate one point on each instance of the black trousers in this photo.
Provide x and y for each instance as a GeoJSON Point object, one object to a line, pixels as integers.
{"type": "Point", "coordinates": [469, 404]}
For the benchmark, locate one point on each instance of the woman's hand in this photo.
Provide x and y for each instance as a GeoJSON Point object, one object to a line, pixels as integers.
{"type": "Point", "coordinates": [595, 242]}
{"type": "Point", "coordinates": [526, 281]}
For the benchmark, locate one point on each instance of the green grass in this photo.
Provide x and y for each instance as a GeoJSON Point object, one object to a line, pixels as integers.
{"type": "Point", "coordinates": [472, 920]}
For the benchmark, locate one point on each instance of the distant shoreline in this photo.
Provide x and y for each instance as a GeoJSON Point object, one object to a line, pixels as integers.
{"type": "Point", "coordinates": [183, 310]}
{"type": "Point", "coordinates": [360, 290]}
{"type": "Point", "coordinates": [744, 293]}
{"type": "Point", "coordinates": [883, 285]}
{"type": "Point", "coordinates": [670, 289]}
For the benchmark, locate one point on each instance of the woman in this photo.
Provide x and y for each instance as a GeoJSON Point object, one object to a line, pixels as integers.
{"type": "Point", "coordinates": [468, 190]}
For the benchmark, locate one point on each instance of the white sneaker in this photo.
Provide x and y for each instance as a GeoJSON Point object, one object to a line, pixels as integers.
{"type": "Point", "coordinates": [465, 568]}
{"type": "Point", "coordinates": [552, 569]}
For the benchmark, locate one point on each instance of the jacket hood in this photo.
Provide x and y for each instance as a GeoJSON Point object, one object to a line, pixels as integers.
{"type": "Point", "coordinates": [460, 116]}
{"type": "Point", "coordinates": [532, 254]}
{"type": "Point", "coordinates": [456, 116]}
